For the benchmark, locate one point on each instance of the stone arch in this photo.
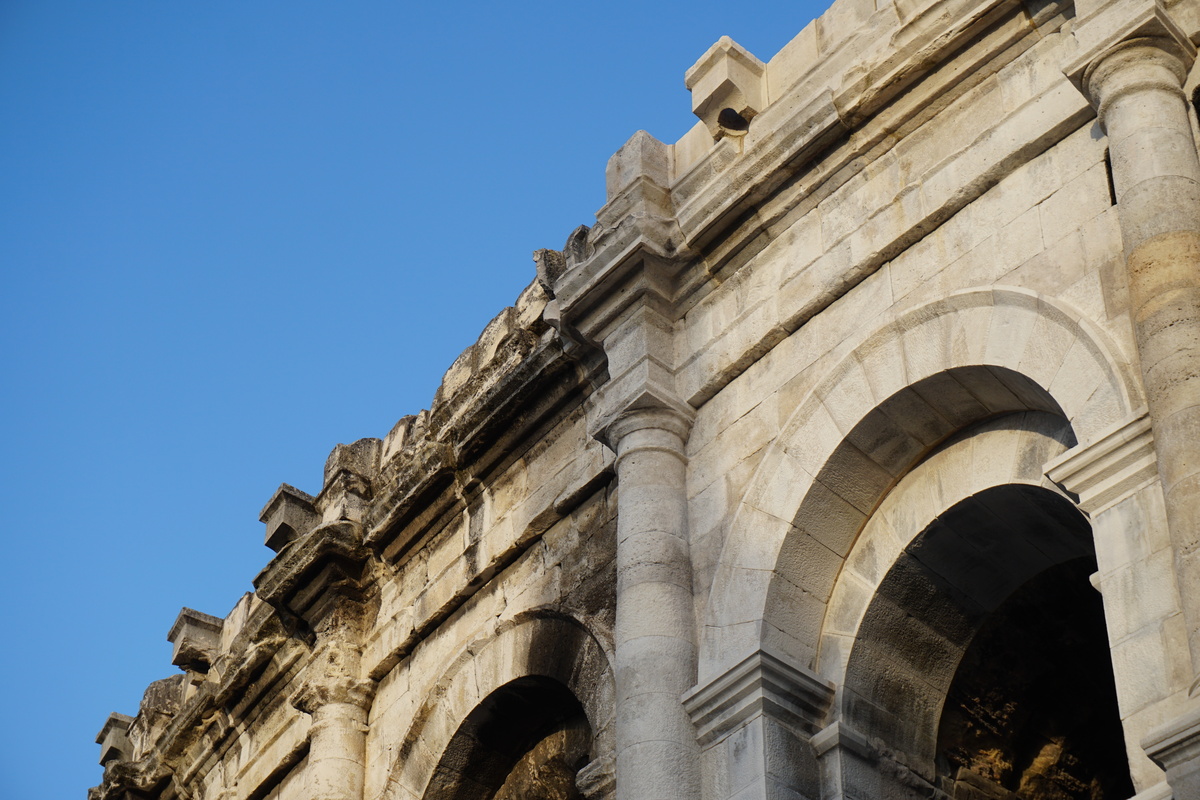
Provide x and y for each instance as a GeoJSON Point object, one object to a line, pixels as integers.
{"type": "Point", "coordinates": [1005, 451]}
{"type": "Point", "coordinates": [993, 562]}
{"type": "Point", "coordinates": [536, 651]}
{"type": "Point", "coordinates": [900, 392]}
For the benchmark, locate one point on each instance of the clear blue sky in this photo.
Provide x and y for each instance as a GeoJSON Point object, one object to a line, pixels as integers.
{"type": "Point", "coordinates": [234, 234]}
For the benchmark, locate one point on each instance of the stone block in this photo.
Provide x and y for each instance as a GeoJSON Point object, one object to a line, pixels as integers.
{"type": "Point", "coordinates": [196, 640]}
{"type": "Point", "coordinates": [289, 514]}
{"type": "Point", "coordinates": [113, 738]}
{"type": "Point", "coordinates": [728, 86]}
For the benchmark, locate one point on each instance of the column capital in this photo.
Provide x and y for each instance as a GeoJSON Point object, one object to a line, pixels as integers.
{"type": "Point", "coordinates": [651, 409]}
{"type": "Point", "coordinates": [333, 676]}
{"type": "Point", "coordinates": [314, 695]}
{"type": "Point", "coordinates": [1128, 46]}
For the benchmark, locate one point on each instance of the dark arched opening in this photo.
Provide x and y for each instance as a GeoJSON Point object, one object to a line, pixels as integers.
{"type": "Point", "coordinates": [527, 740]}
{"type": "Point", "coordinates": [1033, 708]}
{"type": "Point", "coordinates": [981, 665]}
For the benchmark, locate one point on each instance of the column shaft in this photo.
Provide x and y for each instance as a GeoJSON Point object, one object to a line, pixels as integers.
{"type": "Point", "coordinates": [337, 752]}
{"type": "Point", "coordinates": [657, 755]}
{"type": "Point", "coordinates": [1156, 174]}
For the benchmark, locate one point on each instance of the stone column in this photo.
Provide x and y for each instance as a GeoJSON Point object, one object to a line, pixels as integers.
{"type": "Point", "coordinates": [321, 583]}
{"type": "Point", "coordinates": [657, 755]}
{"type": "Point", "coordinates": [338, 701]}
{"type": "Point", "coordinates": [1134, 62]}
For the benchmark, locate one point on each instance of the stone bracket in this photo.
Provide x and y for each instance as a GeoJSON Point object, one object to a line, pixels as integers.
{"type": "Point", "coordinates": [197, 639]}
{"type": "Point", "coordinates": [1110, 469]}
{"type": "Point", "coordinates": [289, 514]}
{"type": "Point", "coordinates": [728, 86]}
{"type": "Point", "coordinates": [761, 684]}
{"type": "Point", "coordinates": [114, 738]}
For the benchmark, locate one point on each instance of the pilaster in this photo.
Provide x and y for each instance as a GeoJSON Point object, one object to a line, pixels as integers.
{"type": "Point", "coordinates": [615, 290]}
{"type": "Point", "coordinates": [756, 724]}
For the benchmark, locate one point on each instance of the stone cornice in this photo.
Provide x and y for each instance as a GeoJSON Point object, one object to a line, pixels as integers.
{"type": "Point", "coordinates": [761, 684]}
{"type": "Point", "coordinates": [330, 560]}
{"type": "Point", "coordinates": [1104, 472]}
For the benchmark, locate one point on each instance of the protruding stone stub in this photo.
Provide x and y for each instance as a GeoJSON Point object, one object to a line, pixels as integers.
{"type": "Point", "coordinates": [289, 514]}
{"type": "Point", "coordinates": [642, 157]}
{"type": "Point", "coordinates": [360, 458]}
{"type": "Point", "coordinates": [114, 738]}
{"type": "Point", "coordinates": [197, 639]}
{"type": "Point", "coordinates": [728, 86]}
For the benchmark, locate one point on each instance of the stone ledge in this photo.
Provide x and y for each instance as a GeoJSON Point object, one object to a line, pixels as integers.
{"type": "Point", "coordinates": [761, 684]}
{"type": "Point", "coordinates": [1106, 471]}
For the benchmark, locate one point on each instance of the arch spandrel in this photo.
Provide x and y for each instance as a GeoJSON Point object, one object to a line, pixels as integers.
{"type": "Point", "coordinates": [517, 650]}
{"type": "Point", "coordinates": [966, 357]}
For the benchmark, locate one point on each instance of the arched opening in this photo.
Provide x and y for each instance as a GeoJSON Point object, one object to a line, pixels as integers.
{"type": "Point", "coordinates": [981, 665]}
{"type": "Point", "coordinates": [525, 741]}
{"type": "Point", "coordinates": [1032, 709]}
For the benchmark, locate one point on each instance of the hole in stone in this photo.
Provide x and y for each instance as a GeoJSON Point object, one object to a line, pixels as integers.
{"type": "Point", "coordinates": [732, 121]}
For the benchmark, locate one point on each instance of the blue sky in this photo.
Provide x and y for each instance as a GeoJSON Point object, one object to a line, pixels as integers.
{"type": "Point", "coordinates": [233, 235]}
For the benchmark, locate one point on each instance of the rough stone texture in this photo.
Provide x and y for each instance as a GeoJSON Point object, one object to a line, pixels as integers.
{"type": "Point", "coordinates": [787, 477]}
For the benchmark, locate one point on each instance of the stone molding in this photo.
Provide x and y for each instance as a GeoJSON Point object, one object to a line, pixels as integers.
{"type": "Point", "coordinates": [1159, 791]}
{"type": "Point", "coordinates": [1175, 746]}
{"type": "Point", "coordinates": [840, 735]}
{"type": "Point", "coordinates": [330, 560]}
{"type": "Point", "coordinates": [1105, 472]}
{"type": "Point", "coordinates": [596, 780]}
{"type": "Point", "coordinates": [761, 684]}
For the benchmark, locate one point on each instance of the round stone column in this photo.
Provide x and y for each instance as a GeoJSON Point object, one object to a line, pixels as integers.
{"type": "Point", "coordinates": [657, 754]}
{"type": "Point", "coordinates": [1137, 89]}
{"type": "Point", "coordinates": [338, 703]}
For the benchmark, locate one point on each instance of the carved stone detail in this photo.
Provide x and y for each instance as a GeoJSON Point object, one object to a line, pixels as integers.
{"type": "Point", "coordinates": [1104, 472]}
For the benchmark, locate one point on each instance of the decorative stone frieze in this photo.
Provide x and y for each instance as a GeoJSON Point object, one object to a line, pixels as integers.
{"type": "Point", "coordinates": [1105, 472]}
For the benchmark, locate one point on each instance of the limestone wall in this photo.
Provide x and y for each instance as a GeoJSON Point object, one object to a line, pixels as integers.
{"type": "Point", "coordinates": [675, 526]}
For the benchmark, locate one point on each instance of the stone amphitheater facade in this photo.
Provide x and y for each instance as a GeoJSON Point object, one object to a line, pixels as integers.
{"type": "Point", "coordinates": [854, 452]}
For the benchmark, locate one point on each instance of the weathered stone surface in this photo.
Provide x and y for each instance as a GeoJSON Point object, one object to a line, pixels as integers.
{"type": "Point", "coordinates": [791, 477]}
